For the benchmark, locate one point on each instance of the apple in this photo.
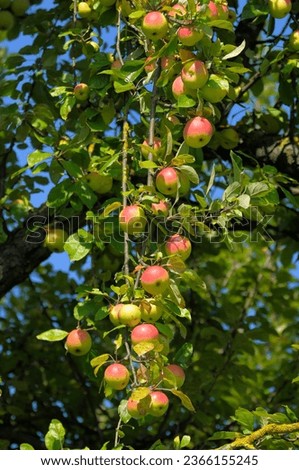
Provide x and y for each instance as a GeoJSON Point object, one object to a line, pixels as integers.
{"type": "Point", "coordinates": [178, 245]}
{"type": "Point", "coordinates": [146, 148]}
{"type": "Point", "coordinates": [279, 8]}
{"type": "Point", "coordinates": [149, 64]}
{"type": "Point", "coordinates": [19, 7]}
{"type": "Point", "coordinates": [81, 91]}
{"type": "Point", "coordinates": [144, 333]}
{"type": "Point", "coordinates": [231, 15]}
{"type": "Point", "coordinates": [186, 54]}
{"type": "Point", "coordinates": [195, 74]}
{"type": "Point", "coordinates": [214, 91]}
{"type": "Point", "coordinates": [159, 403]}
{"type": "Point", "coordinates": [177, 375]}
{"type": "Point", "coordinates": [177, 10]}
{"type": "Point", "coordinates": [132, 219]}
{"type": "Point", "coordinates": [114, 314]}
{"type": "Point", "coordinates": [129, 315]}
{"type": "Point", "coordinates": [100, 184]}
{"type": "Point", "coordinates": [173, 119]}
{"type": "Point", "coordinates": [84, 9]}
{"type": "Point", "coordinates": [78, 342]}
{"type": "Point", "coordinates": [229, 138]}
{"type": "Point", "coordinates": [179, 88]}
{"type": "Point", "coordinates": [137, 408]}
{"type": "Point", "coordinates": [116, 65]}
{"type": "Point", "coordinates": [4, 4]}
{"type": "Point", "coordinates": [189, 36]}
{"type": "Point", "coordinates": [167, 62]}
{"type": "Point", "coordinates": [7, 21]}
{"type": "Point", "coordinates": [155, 280]}
{"type": "Point", "coordinates": [160, 208]}
{"type": "Point", "coordinates": [150, 311]}
{"type": "Point", "coordinates": [294, 41]}
{"type": "Point", "coordinates": [154, 25]}
{"type": "Point", "coordinates": [198, 132]}
{"type": "Point", "coordinates": [55, 238]}
{"type": "Point", "coordinates": [116, 376]}
{"type": "Point", "coordinates": [167, 181]}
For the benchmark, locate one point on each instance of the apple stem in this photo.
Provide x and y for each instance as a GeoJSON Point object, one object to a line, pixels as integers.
{"type": "Point", "coordinates": [152, 123]}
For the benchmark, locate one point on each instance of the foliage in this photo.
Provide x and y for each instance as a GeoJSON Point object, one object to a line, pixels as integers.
{"type": "Point", "coordinates": [72, 162]}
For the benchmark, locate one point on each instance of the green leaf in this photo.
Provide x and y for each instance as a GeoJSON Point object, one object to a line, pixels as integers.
{"type": "Point", "coordinates": [237, 165]}
{"type": "Point", "coordinates": [143, 348]}
{"type": "Point", "coordinates": [86, 195]}
{"type": "Point", "coordinates": [60, 194]}
{"type": "Point", "coordinates": [37, 156]}
{"type": "Point", "coordinates": [148, 164]}
{"type": "Point", "coordinates": [244, 201]}
{"type": "Point", "coordinates": [257, 189]}
{"type": "Point", "coordinates": [185, 400]}
{"type": "Point", "coordinates": [211, 180]}
{"type": "Point", "coordinates": [111, 208]}
{"type": "Point", "coordinates": [231, 191]}
{"type": "Point", "coordinates": [182, 159]}
{"type": "Point", "coordinates": [26, 447]}
{"type": "Point", "coordinates": [137, 14]}
{"type": "Point", "coordinates": [220, 435]}
{"type": "Point", "coordinates": [78, 246]}
{"type": "Point", "coordinates": [237, 51]}
{"type": "Point", "coordinates": [123, 411]}
{"type": "Point", "coordinates": [71, 168]}
{"type": "Point", "coordinates": [54, 438]}
{"type": "Point", "coordinates": [185, 101]}
{"type": "Point", "coordinates": [52, 335]}
{"type": "Point", "coordinates": [122, 86]}
{"type": "Point", "coordinates": [245, 418]}
{"type": "Point", "coordinates": [98, 362]}
{"type": "Point", "coordinates": [67, 106]}
{"type": "Point", "coordinates": [191, 173]}
{"type": "Point", "coordinates": [185, 441]}
{"type": "Point", "coordinates": [183, 356]}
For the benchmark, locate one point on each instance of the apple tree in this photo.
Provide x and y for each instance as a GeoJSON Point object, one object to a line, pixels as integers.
{"type": "Point", "coordinates": [149, 224]}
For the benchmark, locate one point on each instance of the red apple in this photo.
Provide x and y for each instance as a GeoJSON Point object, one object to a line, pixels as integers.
{"type": "Point", "coordinates": [189, 36]}
{"type": "Point", "coordinates": [178, 245]}
{"type": "Point", "coordinates": [78, 342]}
{"type": "Point", "coordinates": [116, 64]}
{"type": "Point", "coordinates": [198, 132]}
{"type": "Point", "coordinates": [155, 280]}
{"type": "Point", "coordinates": [100, 184]}
{"type": "Point", "coordinates": [279, 8]}
{"type": "Point", "coordinates": [160, 208]}
{"type": "Point", "coordinates": [116, 376]}
{"type": "Point", "coordinates": [132, 219]}
{"type": "Point", "coordinates": [159, 403]}
{"type": "Point", "coordinates": [179, 88]}
{"type": "Point", "coordinates": [137, 408]}
{"type": "Point", "coordinates": [149, 64]}
{"type": "Point", "coordinates": [144, 333]}
{"type": "Point", "coordinates": [155, 25]}
{"type": "Point", "coordinates": [81, 91]}
{"type": "Point", "coordinates": [194, 74]}
{"type": "Point", "coordinates": [150, 311]}
{"type": "Point", "coordinates": [177, 374]}
{"type": "Point", "coordinates": [167, 181]}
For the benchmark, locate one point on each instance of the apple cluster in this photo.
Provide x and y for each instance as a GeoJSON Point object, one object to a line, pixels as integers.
{"type": "Point", "coordinates": [10, 10]}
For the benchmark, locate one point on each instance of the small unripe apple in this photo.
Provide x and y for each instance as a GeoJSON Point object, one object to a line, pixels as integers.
{"type": "Point", "coordinates": [155, 280]}
{"type": "Point", "coordinates": [167, 181]}
{"type": "Point", "coordinates": [129, 315]}
{"type": "Point", "coordinates": [81, 91]}
{"type": "Point", "coordinates": [159, 403]}
{"type": "Point", "coordinates": [213, 91]}
{"type": "Point", "coordinates": [84, 9]}
{"type": "Point", "coordinates": [154, 25]}
{"type": "Point", "coordinates": [145, 333]}
{"type": "Point", "coordinates": [229, 138]}
{"type": "Point", "coordinates": [150, 311]}
{"type": "Point", "coordinates": [194, 74]}
{"type": "Point", "coordinates": [117, 376]}
{"type": "Point", "coordinates": [189, 36]}
{"type": "Point", "coordinates": [160, 208]}
{"type": "Point", "coordinates": [132, 219]}
{"type": "Point", "coordinates": [186, 54]}
{"type": "Point", "coordinates": [279, 8]}
{"type": "Point", "coordinates": [178, 374]}
{"type": "Point", "coordinates": [55, 239]}
{"type": "Point", "coordinates": [146, 148]}
{"type": "Point", "coordinates": [100, 184]}
{"type": "Point", "coordinates": [78, 342]}
{"type": "Point", "coordinates": [178, 245]}
{"type": "Point", "coordinates": [114, 314]}
{"type": "Point", "coordinates": [198, 132]}
{"type": "Point", "coordinates": [19, 7]}
{"type": "Point", "coordinates": [294, 41]}
{"type": "Point", "coordinates": [7, 21]}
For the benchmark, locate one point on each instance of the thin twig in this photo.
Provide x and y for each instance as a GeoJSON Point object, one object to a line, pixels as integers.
{"type": "Point", "coordinates": [151, 134]}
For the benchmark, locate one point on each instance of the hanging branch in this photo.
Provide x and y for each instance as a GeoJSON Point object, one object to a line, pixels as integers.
{"type": "Point", "coordinates": [151, 134]}
{"type": "Point", "coordinates": [125, 134]}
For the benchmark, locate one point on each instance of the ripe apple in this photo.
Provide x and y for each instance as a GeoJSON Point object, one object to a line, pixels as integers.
{"type": "Point", "coordinates": [84, 9]}
{"type": "Point", "coordinates": [154, 25]}
{"type": "Point", "coordinates": [155, 280]}
{"type": "Point", "coordinates": [178, 245]}
{"type": "Point", "coordinates": [214, 91]}
{"type": "Point", "coordinates": [132, 219]}
{"type": "Point", "coordinates": [116, 376]}
{"type": "Point", "coordinates": [19, 7]}
{"type": "Point", "coordinates": [195, 74]}
{"type": "Point", "coordinates": [146, 148]}
{"type": "Point", "coordinates": [144, 333]}
{"type": "Point", "coordinates": [177, 10]}
{"type": "Point", "coordinates": [137, 408]}
{"type": "Point", "coordinates": [129, 315]}
{"type": "Point", "coordinates": [177, 374]}
{"type": "Point", "coordinates": [78, 342]}
{"type": "Point", "coordinates": [179, 88]}
{"type": "Point", "coordinates": [198, 132]}
{"type": "Point", "coordinates": [100, 184]}
{"type": "Point", "coordinates": [159, 403]}
{"type": "Point", "coordinates": [81, 91]}
{"type": "Point", "coordinates": [55, 238]}
{"type": "Point", "coordinates": [160, 208]}
{"type": "Point", "coordinates": [167, 181]}
{"type": "Point", "coordinates": [279, 8]}
{"type": "Point", "coordinates": [150, 311]}
{"type": "Point", "coordinates": [189, 36]}
{"type": "Point", "coordinates": [7, 21]}
{"type": "Point", "coordinates": [229, 138]}
{"type": "Point", "coordinates": [294, 41]}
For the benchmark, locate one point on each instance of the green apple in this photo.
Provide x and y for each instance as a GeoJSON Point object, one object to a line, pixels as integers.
{"type": "Point", "coordinates": [129, 315]}
{"type": "Point", "coordinates": [150, 311]}
{"type": "Point", "coordinates": [154, 25]}
{"type": "Point", "coordinates": [7, 21]}
{"type": "Point", "coordinates": [81, 91]}
{"type": "Point", "coordinates": [116, 376]}
{"type": "Point", "coordinates": [84, 9]}
{"type": "Point", "coordinates": [294, 41]}
{"type": "Point", "coordinates": [215, 89]}
{"type": "Point", "coordinates": [229, 138]}
{"type": "Point", "coordinates": [100, 184]}
{"type": "Point", "coordinates": [78, 342]}
{"type": "Point", "coordinates": [55, 239]}
{"type": "Point", "coordinates": [279, 8]}
{"type": "Point", "coordinates": [19, 7]}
